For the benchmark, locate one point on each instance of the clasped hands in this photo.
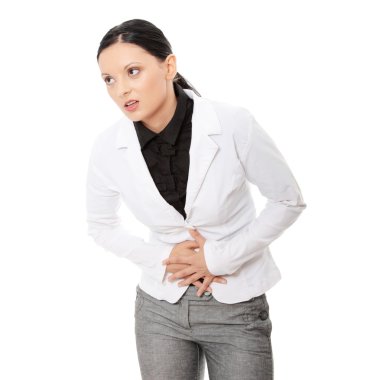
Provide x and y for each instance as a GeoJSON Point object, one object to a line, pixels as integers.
{"type": "Point", "coordinates": [185, 263]}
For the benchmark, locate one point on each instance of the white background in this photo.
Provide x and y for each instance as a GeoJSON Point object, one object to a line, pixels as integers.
{"type": "Point", "coordinates": [309, 73]}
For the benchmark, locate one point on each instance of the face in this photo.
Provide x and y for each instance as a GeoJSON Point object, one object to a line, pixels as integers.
{"type": "Point", "coordinates": [131, 73]}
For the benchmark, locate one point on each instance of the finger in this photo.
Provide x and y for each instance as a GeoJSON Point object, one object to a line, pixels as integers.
{"type": "Point", "coordinates": [187, 281]}
{"type": "Point", "coordinates": [220, 280]}
{"type": "Point", "coordinates": [177, 260]}
{"type": "Point", "coordinates": [182, 273]}
{"type": "Point", "coordinates": [190, 279]}
{"type": "Point", "coordinates": [209, 288]}
{"type": "Point", "coordinates": [202, 289]}
{"type": "Point", "coordinates": [198, 284]}
{"type": "Point", "coordinates": [191, 251]}
{"type": "Point", "coordinates": [191, 244]}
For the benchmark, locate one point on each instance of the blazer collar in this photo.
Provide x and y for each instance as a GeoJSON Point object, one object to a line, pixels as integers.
{"type": "Point", "coordinates": [204, 121]}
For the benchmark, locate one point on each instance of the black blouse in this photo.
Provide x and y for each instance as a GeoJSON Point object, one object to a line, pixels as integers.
{"type": "Point", "coordinates": [167, 153]}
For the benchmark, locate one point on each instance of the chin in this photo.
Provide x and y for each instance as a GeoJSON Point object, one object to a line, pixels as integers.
{"type": "Point", "coordinates": [129, 116]}
{"type": "Point", "coordinates": [133, 118]}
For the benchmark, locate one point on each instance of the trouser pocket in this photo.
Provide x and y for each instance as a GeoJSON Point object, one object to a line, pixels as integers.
{"type": "Point", "coordinates": [138, 302]}
{"type": "Point", "coordinates": [257, 315]}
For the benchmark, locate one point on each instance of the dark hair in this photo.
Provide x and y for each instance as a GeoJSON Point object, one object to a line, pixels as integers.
{"type": "Point", "coordinates": [146, 35]}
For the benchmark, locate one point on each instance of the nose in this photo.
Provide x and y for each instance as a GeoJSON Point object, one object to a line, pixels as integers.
{"type": "Point", "coordinates": [123, 89]}
{"type": "Point", "coordinates": [123, 93]}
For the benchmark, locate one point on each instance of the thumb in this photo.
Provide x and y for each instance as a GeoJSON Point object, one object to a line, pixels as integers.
{"type": "Point", "coordinates": [197, 236]}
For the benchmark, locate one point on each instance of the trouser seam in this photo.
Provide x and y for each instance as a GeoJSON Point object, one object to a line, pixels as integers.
{"type": "Point", "coordinates": [198, 374]}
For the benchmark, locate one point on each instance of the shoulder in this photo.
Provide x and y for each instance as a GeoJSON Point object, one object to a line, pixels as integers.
{"type": "Point", "coordinates": [237, 122]}
{"type": "Point", "coordinates": [235, 119]}
{"type": "Point", "coordinates": [228, 111]}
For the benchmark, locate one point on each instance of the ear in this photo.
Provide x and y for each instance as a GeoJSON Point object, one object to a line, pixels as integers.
{"type": "Point", "coordinates": [171, 66]}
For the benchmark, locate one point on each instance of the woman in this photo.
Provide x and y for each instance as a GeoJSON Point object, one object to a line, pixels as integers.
{"type": "Point", "coordinates": [181, 164]}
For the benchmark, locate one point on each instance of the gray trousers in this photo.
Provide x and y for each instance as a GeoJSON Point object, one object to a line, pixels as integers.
{"type": "Point", "coordinates": [174, 340]}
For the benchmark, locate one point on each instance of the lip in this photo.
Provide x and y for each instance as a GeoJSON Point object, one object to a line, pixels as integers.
{"type": "Point", "coordinates": [133, 107]}
{"type": "Point", "coordinates": [130, 100]}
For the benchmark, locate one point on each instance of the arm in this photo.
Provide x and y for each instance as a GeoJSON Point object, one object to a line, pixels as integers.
{"type": "Point", "coordinates": [104, 225]}
{"type": "Point", "coordinates": [266, 168]}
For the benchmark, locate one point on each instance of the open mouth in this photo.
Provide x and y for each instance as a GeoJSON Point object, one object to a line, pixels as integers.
{"type": "Point", "coordinates": [131, 105]}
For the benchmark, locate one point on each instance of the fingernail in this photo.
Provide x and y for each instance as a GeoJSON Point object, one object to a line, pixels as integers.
{"type": "Point", "coordinates": [224, 281]}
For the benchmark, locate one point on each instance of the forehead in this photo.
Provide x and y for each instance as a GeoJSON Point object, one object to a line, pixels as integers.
{"type": "Point", "coordinates": [120, 54]}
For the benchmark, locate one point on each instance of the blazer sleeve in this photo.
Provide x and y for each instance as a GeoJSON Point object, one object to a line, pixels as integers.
{"type": "Point", "coordinates": [104, 226]}
{"type": "Point", "coordinates": [266, 168]}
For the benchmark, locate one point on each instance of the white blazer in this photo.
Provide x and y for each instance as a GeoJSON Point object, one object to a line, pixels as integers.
{"type": "Point", "coordinates": [228, 148]}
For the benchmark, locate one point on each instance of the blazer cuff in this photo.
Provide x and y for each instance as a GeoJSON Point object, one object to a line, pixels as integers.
{"type": "Point", "coordinates": [216, 265]}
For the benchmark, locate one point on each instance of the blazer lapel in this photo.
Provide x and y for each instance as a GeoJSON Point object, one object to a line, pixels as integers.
{"type": "Point", "coordinates": [203, 148]}
{"type": "Point", "coordinates": [202, 152]}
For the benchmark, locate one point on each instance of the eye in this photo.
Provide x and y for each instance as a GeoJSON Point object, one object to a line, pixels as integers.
{"type": "Point", "coordinates": [132, 69]}
{"type": "Point", "coordinates": [106, 80]}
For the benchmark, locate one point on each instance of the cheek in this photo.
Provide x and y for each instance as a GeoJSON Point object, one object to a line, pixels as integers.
{"type": "Point", "coordinates": [157, 95]}
{"type": "Point", "coordinates": [114, 97]}
{"type": "Point", "coordinates": [153, 87]}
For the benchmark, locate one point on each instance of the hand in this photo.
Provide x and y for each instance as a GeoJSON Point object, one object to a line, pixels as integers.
{"type": "Point", "coordinates": [196, 266]}
{"type": "Point", "coordinates": [185, 248]}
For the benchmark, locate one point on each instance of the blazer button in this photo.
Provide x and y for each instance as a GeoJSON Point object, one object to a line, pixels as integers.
{"type": "Point", "coordinates": [263, 315]}
{"type": "Point", "coordinates": [207, 293]}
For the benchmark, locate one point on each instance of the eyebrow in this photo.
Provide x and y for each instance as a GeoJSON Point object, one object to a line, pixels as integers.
{"type": "Point", "coordinates": [129, 64]}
